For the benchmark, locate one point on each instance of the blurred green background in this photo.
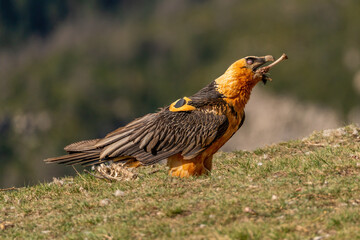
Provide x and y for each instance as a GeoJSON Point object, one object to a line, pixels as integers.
{"type": "Point", "coordinates": [71, 70]}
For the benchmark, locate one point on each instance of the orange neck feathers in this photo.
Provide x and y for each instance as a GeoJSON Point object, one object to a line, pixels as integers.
{"type": "Point", "coordinates": [236, 84]}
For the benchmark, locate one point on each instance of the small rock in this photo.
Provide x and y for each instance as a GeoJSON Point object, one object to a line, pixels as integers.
{"type": "Point", "coordinates": [249, 210]}
{"type": "Point", "coordinates": [160, 214]}
{"type": "Point", "coordinates": [119, 193]}
{"type": "Point", "coordinates": [202, 225]}
{"type": "Point", "coordinates": [260, 164]}
{"type": "Point", "coordinates": [265, 156]}
{"type": "Point", "coordinates": [274, 197]}
{"type": "Point", "coordinates": [45, 231]}
{"type": "Point", "coordinates": [104, 202]}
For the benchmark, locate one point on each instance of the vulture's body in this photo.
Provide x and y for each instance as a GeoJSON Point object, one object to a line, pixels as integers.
{"type": "Point", "coordinates": [187, 133]}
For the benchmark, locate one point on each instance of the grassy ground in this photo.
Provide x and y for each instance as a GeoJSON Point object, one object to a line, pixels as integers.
{"type": "Point", "coordinates": [305, 189]}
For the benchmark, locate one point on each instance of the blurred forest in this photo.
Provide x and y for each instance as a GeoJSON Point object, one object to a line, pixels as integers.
{"type": "Point", "coordinates": [71, 70]}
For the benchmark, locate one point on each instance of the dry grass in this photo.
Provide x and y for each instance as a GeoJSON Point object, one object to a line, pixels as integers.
{"type": "Point", "coordinates": [306, 189]}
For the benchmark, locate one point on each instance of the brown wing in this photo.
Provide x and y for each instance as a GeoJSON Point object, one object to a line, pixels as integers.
{"type": "Point", "coordinates": [157, 136]}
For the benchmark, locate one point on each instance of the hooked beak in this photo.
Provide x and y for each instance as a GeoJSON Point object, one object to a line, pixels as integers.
{"type": "Point", "coordinates": [259, 61]}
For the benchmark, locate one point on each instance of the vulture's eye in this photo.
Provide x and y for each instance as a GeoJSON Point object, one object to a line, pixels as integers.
{"type": "Point", "coordinates": [249, 61]}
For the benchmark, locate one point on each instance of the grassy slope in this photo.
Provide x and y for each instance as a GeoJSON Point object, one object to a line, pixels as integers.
{"type": "Point", "coordinates": [294, 190]}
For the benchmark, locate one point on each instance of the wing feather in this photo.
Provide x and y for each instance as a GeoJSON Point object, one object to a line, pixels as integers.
{"type": "Point", "coordinates": [113, 147]}
{"type": "Point", "coordinates": [81, 146]}
{"type": "Point", "coordinates": [119, 151]}
{"type": "Point", "coordinates": [146, 139]}
{"type": "Point", "coordinates": [113, 138]}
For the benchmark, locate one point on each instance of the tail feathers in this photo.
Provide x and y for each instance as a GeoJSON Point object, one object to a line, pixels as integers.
{"type": "Point", "coordinates": [75, 158]}
{"type": "Point", "coordinates": [81, 146]}
{"type": "Point", "coordinates": [90, 158]}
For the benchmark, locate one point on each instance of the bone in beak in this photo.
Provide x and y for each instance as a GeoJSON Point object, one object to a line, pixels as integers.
{"type": "Point", "coordinates": [283, 57]}
{"type": "Point", "coordinates": [263, 70]}
{"type": "Point", "coordinates": [267, 68]}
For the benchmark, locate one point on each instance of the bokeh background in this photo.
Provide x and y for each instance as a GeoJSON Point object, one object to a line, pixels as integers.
{"type": "Point", "coordinates": [71, 70]}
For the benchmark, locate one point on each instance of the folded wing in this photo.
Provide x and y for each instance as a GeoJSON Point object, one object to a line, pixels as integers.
{"type": "Point", "coordinates": [152, 138]}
